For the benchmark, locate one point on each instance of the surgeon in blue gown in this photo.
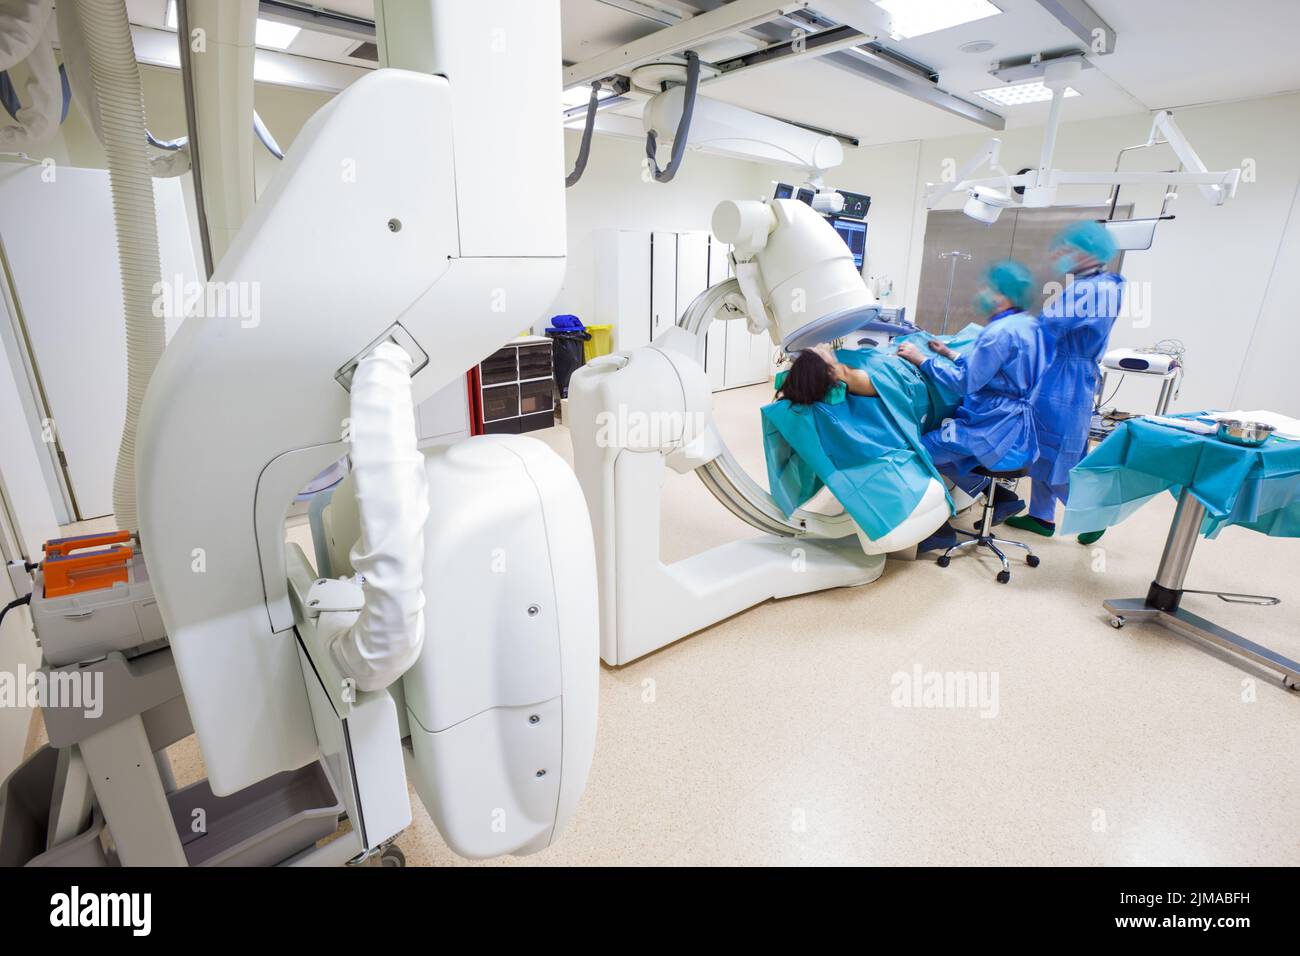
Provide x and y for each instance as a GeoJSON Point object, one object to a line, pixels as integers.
{"type": "Point", "coordinates": [993, 426]}
{"type": "Point", "coordinates": [1077, 323]}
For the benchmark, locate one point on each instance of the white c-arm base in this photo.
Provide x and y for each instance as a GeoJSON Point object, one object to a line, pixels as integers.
{"type": "Point", "coordinates": [632, 415]}
{"type": "Point", "coordinates": [649, 604]}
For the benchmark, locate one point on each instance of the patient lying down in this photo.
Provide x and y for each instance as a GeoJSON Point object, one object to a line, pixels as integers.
{"type": "Point", "coordinates": [816, 375]}
{"type": "Point", "coordinates": [821, 430]}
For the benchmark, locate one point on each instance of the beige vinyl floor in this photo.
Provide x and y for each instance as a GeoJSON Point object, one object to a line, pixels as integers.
{"type": "Point", "coordinates": [778, 736]}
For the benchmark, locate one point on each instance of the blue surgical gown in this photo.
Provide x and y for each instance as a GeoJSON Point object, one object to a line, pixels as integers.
{"type": "Point", "coordinates": [994, 424]}
{"type": "Point", "coordinates": [1077, 325]}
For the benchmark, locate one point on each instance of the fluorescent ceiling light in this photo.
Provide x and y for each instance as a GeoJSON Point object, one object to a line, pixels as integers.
{"type": "Point", "coordinates": [1017, 94]}
{"type": "Point", "coordinates": [912, 18]}
{"type": "Point", "coordinates": [581, 96]}
{"type": "Point", "coordinates": [275, 35]}
{"type": "Point", "coordinates": [268, 33]}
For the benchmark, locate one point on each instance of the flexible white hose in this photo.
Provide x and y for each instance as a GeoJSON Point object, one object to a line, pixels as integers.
{"type": "Point", "coordinates": [105, 34]}
{"type": "Point", "coordinates": [38, 119]}
{"type": "Point", "coordinates": [76, 64]}
{"type": "Point", "coordinates": [393, 500]}
{"type": "Point", "coordinates": [22, 24]}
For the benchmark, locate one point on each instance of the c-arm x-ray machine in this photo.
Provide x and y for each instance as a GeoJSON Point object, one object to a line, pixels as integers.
{"type": "Point", "coordinates": [382, 275]}
{"type": "Point", "coordinates": [635, 414]}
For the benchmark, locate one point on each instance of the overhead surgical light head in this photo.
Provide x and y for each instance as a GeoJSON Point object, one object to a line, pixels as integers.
{"type": "Point", "coordinates": [984, 204]}
{"type": "Point", "coordinates": [797, 275]}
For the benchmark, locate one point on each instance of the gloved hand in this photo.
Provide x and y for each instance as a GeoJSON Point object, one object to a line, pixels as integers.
{"type": "Point", "coordinates": [910, 353]}
{"type": "Point", "coordinates": [940, 348]}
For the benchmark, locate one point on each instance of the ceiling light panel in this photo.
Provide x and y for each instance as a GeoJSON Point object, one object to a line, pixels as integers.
{"type": "Point", "coordinates": [276, 36]}
{"type": "Point", "coordinates": [912, 18]}
{"type": "Point", "coordinates": [1018, 94]}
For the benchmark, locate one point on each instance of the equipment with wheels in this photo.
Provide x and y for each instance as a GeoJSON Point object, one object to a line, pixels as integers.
{"type": "Point", "coordinates": [984, 538]}
{"type": "Point", "coordinates": [1161, 605]}
{"type": "Point", "coordinates": [375, 290]}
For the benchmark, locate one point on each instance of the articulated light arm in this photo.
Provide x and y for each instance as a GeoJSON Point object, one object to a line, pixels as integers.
{"type": "Point", "coordinates": [988, 155]}
{"type": "Point", "coordinates": [1218, 191]}
{"type": "Point", "coordinates": [1040, 185]}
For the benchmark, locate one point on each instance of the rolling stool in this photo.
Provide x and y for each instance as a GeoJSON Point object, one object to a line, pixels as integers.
{"type": "Point", "coordinates": [985, 538]}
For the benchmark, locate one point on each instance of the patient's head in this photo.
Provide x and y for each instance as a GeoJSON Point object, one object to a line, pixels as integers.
{"type": "Point", "coordinates": [809, 379]}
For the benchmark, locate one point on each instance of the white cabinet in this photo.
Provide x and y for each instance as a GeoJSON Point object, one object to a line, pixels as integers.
{"type": "Point", "coordinates": [735, 356]}
{"type": "Point", "coordinates": [693, 274]}
{"type": "Point", "coordinates": [646, 280]}
{"type": "Point", "coordinates": [663, 281]}
{"type": "Point", "coordinates": [715, 349]}
{"type": "Point", "coordinates": [622, 286]}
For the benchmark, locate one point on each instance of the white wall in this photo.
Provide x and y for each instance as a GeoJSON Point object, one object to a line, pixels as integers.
{"type": "Point", "coordinates": [888, 174]}
{"type": "Point", "coordinates": [1267, 379]}
{"type": "Point", "coordinates": [1206, 276]}
{"type": "Point", "coordinates": [283, 109]}
{"type": "Point", "coordinates": [613, 194]}
{"type": "Point", "coordinates": [25, 496]}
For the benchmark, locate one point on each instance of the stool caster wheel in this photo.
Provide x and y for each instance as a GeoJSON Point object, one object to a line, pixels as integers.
{"type": "Point", "coordinates": [942, 560]}
{"type": "Point", "coordinates": [1032, 560]}
{"type": "Point", "coordinates": [1117, 622]}
{"type": "Point", "coordinates": [1004, 577]}
{"type": "Point", "coordinates": [392, 856]}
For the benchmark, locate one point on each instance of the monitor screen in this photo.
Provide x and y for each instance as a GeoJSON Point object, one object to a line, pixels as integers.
{"type": "Point", "coordinates": [783, 191]}
{"type": "Point", "coordinates": [855, 205]}
{"type": "Point", "coordinates": [805, 196]}
{"type": "Point", "coordinates": [854, 234]}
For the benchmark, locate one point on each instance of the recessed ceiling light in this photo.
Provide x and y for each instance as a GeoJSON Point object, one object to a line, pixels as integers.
{"type": "Point", "coordinates": [977, 46]}
{"type": "Point", "coordinates": [275, 35]}
{"type": "Point", "coordinates": [581, 96]}
{"type": "Point", "coordinates": [1017, 94]}
{"type": "Point", "coordinates": [912, 18]}
{"type": "Point", "coordinates": [268, 33]}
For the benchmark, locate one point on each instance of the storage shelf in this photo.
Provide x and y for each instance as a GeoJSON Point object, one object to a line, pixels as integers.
{"type": "Point", "coordinates": [508, 393]}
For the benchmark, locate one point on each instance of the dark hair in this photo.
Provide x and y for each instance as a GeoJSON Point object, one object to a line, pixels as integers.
{"type": "Point", "coordinates": [808, 380]}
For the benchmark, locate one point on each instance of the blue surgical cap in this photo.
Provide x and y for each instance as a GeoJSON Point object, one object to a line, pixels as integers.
{"type": "Point", "coordinates": [1089, 237]}
{"type": "Point", "coordinates": [1009, 278]}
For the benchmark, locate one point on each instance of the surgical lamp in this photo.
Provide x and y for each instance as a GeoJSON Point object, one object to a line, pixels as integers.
{"type": "Point", "coordinates": [1039, 186]}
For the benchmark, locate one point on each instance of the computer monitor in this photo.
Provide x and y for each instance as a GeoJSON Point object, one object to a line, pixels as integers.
{"type": "Point", "coordinates": [855, 205]}
{"type": "Point", "coordinates": [854, 234]}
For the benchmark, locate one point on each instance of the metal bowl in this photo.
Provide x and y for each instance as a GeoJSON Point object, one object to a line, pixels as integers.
{"type": "Point", "coordinates": [1250, 434]}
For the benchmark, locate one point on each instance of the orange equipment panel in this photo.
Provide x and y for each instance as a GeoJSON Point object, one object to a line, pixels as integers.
{"type": "Point", "coordinates": [69, 572]}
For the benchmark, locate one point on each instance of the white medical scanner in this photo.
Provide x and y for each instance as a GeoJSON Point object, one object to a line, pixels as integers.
{"type": "Point", "coordinates": [458, 611]}
{"type": "Point", "coordinates": [633, 414]}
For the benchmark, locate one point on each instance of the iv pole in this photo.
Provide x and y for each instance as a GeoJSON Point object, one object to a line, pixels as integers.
{"type": "Point", "coordinates": [953, 256]}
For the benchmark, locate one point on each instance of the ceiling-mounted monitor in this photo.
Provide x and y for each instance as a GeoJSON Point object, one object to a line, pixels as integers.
{"type": "Point", "coordinates": [855, 205]}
